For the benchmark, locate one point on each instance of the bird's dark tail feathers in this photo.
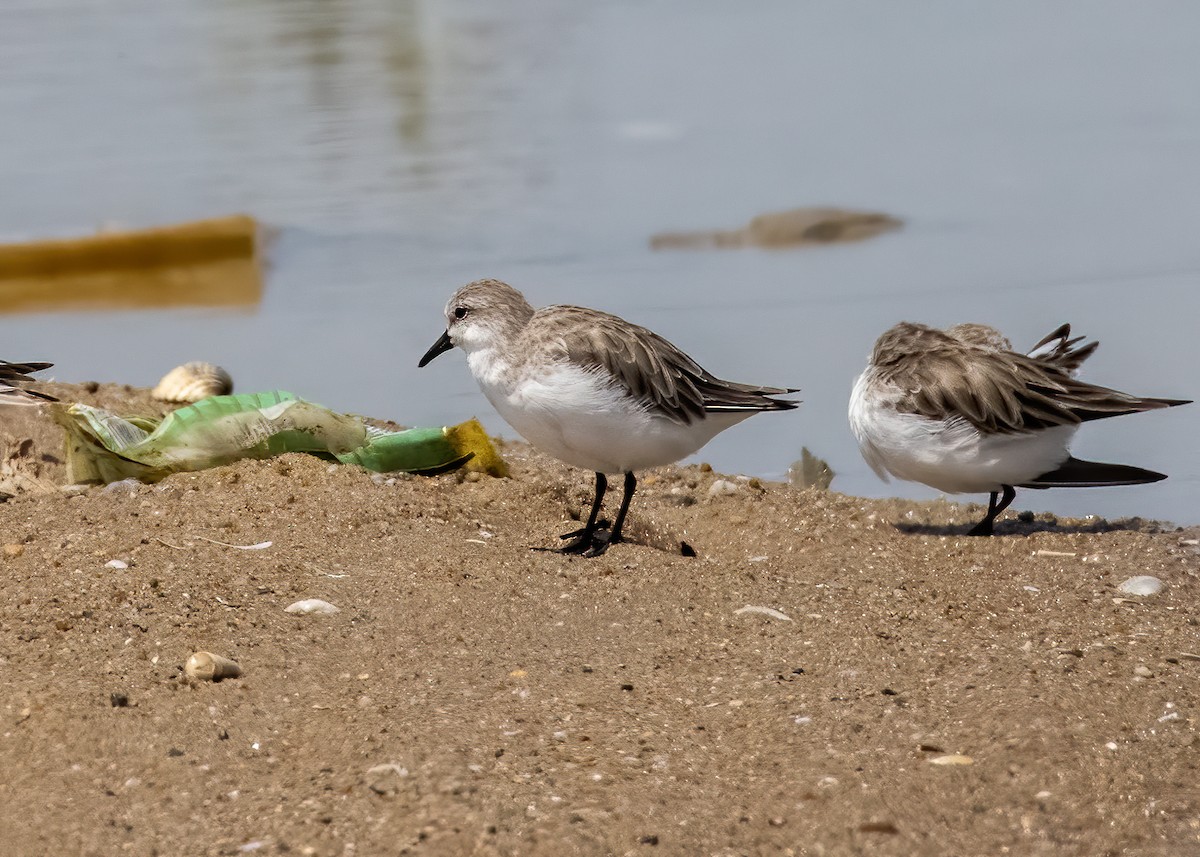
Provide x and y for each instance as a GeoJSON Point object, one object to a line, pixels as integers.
{"type": "Point", "coordinates": [1063, 351]}
{"type": "Point", "coordinates": [1077, 473]}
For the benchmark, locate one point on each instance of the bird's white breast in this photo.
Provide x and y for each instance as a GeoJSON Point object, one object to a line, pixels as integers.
{"type": "Point", "coordinates": [580, 416]}
{"type": "Point", "coordinates": [949, 454]}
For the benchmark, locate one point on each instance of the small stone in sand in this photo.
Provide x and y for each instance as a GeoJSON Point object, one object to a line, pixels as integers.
{"type": "Point", "coordinates": [722, 487]}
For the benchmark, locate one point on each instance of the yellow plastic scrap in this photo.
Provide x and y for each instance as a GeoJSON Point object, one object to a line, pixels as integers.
{"type": "Point", "coordinates": [471, 437]}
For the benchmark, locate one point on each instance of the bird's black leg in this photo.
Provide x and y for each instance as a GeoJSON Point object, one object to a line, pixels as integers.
{"type": "Point", "coordinates": [985, 527]}
{"type": "Point", "coordinates": [605, 538]}
{"type": "Point", "coordinates": [584, 538]}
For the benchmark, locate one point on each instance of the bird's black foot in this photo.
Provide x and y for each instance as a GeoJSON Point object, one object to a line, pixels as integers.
{"type": "Point", "coordinates": [596, 536]}
{"type": "Point", "coordinates": [589, 545]}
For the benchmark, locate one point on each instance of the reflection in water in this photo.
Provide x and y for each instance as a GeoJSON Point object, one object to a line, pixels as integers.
{"type": "Point", "coordinates": [336, 37]}
{"type": "Point", "coordinates": [406, 62]}
{"type": "Point", "coordinates": [227, 283]}
{"type": "Point", "coordinates": [204, 263]}
{"type": "Point", "coordinates": [388, 113]}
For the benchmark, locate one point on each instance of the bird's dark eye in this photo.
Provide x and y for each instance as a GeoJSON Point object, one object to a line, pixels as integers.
{"type": "Point", "coordinates": [460, 312]}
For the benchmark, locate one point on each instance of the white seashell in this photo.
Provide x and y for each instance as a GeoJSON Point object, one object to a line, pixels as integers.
{"type": "Point", "coordinates": [311, 605]}
{"type": "Point", "coordinates": [209, 667]}
{"type": "Point", "coordinates": [1143, 584]}
{"type": "Point", "coordinates": [192, 382]}
{"type": "Point", "coordinates": [765, 611]}
{"type": "Point", "coordinates": [953, 759]}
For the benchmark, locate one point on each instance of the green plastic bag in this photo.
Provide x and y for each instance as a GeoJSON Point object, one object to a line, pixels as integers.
{"type": "Point", "coordinates": [103, 447]}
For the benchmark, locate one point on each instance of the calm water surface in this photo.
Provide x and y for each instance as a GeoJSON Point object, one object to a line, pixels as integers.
{"type": "Point", "coordinates": [1045, 157]}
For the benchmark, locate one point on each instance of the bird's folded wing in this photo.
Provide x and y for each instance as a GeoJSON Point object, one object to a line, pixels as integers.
{"type": "Point", "coordinates": [1005, 392]}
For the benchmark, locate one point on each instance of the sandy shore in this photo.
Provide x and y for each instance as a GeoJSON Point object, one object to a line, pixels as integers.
{"type": "Point", "coordinates": [914, 692]}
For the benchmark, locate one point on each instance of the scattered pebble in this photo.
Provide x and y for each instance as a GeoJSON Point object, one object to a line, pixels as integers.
{"type": "Point", "coordinates": [122, 486]}
{"type": "Point", "coordinates": [952, 759]}
{"type": "Point", "coordinates": [209, 667]}
{"type": "Point", "coordinates": [765, 611]}
{"type": "Point", "coordinates": [116, 563]}
{"type": "Point", "coordinates": [878, 827]}
{"type": "Point", "coordinates": [387, 779]}
{"type": "Point", "coordinates": [1111, 745]}
{"type": "Point", "coordinates": [722, 487]}
{"type": "Point", "coordinates": [1143, 671]}
{"type": "Point", "coordinates": [1142, 584]}
{"type": "Point", "coordinates": [310, 606]}
{"type": "Point", "coordinates": [1042, 552]}
{"type": "Point", "coordinates": [13, 551]}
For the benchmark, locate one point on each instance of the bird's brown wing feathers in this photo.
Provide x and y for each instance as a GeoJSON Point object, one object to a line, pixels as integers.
{"type": "Point", "coordinates": [1005, 392]}
{"type": "Point", "coordinates": [648, 366]}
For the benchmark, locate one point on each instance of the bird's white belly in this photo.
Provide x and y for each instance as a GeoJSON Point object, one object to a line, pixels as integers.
{"type": "Point", "coordinates": [950, 455]}
{"type": "Point", "coordinates": [572, 414]}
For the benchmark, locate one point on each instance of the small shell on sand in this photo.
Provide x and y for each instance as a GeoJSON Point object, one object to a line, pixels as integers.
{"type": "Point", "coordinates": [192, 382]}
{"type": "Point", "coordinates": [1143, 584]}
{"type": "Point", "coordinates": [765, 611]}
{"type": "Point", "coordinates": [953, 759]}
{"type": "Point", "coordinates": [209, 667]}
{"type": "Point", "coordinates": [311, 606]}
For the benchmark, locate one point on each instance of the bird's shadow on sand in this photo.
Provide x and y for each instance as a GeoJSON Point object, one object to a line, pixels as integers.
{"type": "Point", "coordinates": [1045, 524]}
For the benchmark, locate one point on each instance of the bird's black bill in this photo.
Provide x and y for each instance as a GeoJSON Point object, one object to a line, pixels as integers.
{"type": "Point", "coordinates": [442, 345]}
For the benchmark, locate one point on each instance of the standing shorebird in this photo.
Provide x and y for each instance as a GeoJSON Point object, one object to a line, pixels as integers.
{"type": "Point", "coordinates": [592, 390]}
{"type": "Point", "coordinates": [962, 412]}
{"type": "Point", "coordinates": [14, 378]}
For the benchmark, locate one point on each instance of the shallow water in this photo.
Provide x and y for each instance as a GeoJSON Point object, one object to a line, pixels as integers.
{"type": "Point", "coordinates": [1043, 157]}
